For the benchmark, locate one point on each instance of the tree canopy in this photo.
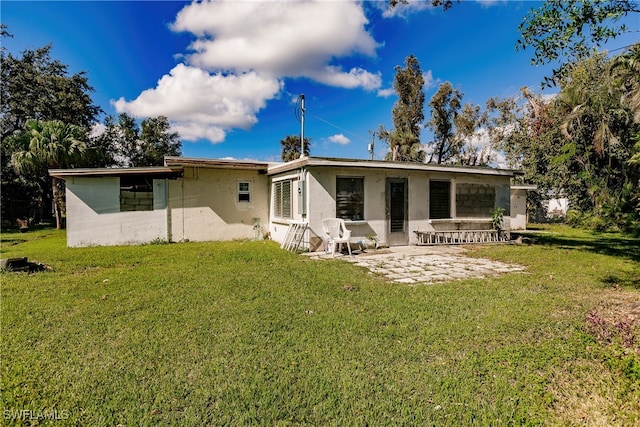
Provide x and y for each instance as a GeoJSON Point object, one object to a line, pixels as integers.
{"type": "Point", "coordinates": [52, 144]}
{"type": "Point", "coordinates": [35, 86]}
{"type": "Point", "coordinates": [582, 142]}
{"type": "Point", "coordinates": [43, 108]}
{"type": "Point", "coordinates": [291, 147]}
{"type": "Point", "coordinates": [408, 114]}
{"type": "Point", "coordinates": [566, 31]}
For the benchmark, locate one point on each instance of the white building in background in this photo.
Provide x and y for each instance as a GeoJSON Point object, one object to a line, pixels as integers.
{"type": "Point", "coordinates": [519, 212]}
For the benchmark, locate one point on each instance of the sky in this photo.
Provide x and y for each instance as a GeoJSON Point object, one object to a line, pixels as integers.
{"type": "Point", "coordinates": [228, 75]}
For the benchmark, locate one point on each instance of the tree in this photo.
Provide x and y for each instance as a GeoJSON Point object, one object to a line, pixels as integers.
{"type": "Point", "coordinates": [457, 136]}
{"type": "Point", "coordinates": [564, 30]}
{"type": "Point", "coordinates": [568, 30]}
{"type": "Point", "coordinates": [445, 106]}
{"type": "Point", "coordinates": [34, 86]}
{"type": "Point", "coordinates": [625, 69]}
{"type": "Point", "coordinates": [471, 150]}
{"type": "Point", "coordinates": [156, 141]}
{"type": "Point", "coordinates": [53, 144]}
{"type": "Point", "coordinates": [129, 145]}
{"type": "Point", "coordinates": [408, 114]}
{"type": "Point", "coordinates": [583, 141]}
{"type": "Point", "coordinates": [291, 147]}
{"type": "Point", "coordinates": [527, 130]}
{"type": "Point", "coordinates": [22, 195]}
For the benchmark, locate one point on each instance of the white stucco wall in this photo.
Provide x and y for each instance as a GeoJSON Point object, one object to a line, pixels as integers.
{"type": "Point", "coordinates": [204, 205]}
{"type": "Point", "coordinates": [321, 189]}
{"type": "Point", "coordinates": [94, 217]}
{"type": "Point", "coordinates": [518, 209]}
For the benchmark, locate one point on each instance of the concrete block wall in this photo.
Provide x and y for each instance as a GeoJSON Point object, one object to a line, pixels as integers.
{"type": "Point", "coordinates": [475, 200]}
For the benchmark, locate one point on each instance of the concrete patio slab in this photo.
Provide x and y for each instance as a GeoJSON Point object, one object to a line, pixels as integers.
{"type": "Point", "coordinates": [423, 264]}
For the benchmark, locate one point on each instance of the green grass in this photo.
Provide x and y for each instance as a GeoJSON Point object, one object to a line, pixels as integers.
{"type": "Point", "coordinates": [237, 333]}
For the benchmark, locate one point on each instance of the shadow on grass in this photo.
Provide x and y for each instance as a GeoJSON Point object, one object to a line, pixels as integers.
{"type": "Point", "coordinates": [619, 246]}
{"type": "Point", "coordinates": [11, 236]}
{"type": "Point", "coordinates": [631, 280]}
{"type": "Point", "coordinates": [10, 241]}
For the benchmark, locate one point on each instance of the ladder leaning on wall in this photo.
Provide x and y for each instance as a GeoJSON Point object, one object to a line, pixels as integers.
{"type": "Point", "coordinates": [294, 236]}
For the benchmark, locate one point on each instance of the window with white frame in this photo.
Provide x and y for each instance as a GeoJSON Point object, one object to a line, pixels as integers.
{"type": "Point", "coordinates": [244, 191]}
{"type": "Point", "coordinates": [282, 199]}
{"type": "Point", "coordinates": [350, 198]}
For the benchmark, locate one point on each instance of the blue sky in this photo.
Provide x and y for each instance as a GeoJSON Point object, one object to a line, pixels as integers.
{"type": "Point", "coordinates": [227, 74]}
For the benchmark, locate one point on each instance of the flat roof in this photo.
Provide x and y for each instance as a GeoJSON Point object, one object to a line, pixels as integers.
{"type": "Point", "coordinates": [160, 171]}
{"type": "Point", "coordinates": [174, 167]}
{"type": "Point", "coordinates": [379, 164]}
{"type": "Point", "coordinates": [216, 163]}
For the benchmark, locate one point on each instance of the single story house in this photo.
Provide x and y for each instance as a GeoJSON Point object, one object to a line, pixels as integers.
{"type": "Point", "coordinates": [188, 199]}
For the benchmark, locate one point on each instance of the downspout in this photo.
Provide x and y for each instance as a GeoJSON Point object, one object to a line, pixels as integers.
{"type": "Point", "coordinates": [302, 186]}
{"type": "Point", "coordinates": [168, 208]}
{"type": "Point", "coordinates": [302, 204]}
{"type": "Point", "coordinates": [182, 190]}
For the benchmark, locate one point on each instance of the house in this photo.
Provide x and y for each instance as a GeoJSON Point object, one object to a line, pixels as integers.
{"type": "Point", "coordinates": [187, 199]}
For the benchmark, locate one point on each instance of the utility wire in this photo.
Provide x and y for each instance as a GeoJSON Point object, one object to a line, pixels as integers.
{"type": "Point", "coordinates": [339, 128]}
{"type": "Point", "coordinates": [297, 110]}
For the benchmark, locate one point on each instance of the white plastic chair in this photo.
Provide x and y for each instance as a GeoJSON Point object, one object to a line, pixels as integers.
{"type": "Point", "coordinates": [335, 234]}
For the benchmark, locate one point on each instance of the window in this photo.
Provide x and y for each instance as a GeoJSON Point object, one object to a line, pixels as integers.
{"type": "Point", "coordinates": [439, 199]}
{"type": "Point", "coordinates": [244, 191]}
{"type": "Point", "coordinates": [282, 199]}
{"type": "Point", "coordinates": [475, 200]}
{"type": "Point", "coordinates": [350, 198]}
{"type": "Point", "coordinates": [136, 193]}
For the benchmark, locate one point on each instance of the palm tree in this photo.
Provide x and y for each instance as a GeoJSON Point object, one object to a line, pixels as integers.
{"type": "Point", "coordinates": [53, 144]}
{"type": "Point", "coordinates": [626, 70]}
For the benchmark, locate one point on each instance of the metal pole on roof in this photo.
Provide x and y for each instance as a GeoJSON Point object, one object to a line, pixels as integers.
{"type": "Point", "coordinates": [302, 126]}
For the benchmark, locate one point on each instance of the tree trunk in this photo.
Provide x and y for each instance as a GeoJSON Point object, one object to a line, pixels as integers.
{"type": "Point", "coordinates": [57, 212]}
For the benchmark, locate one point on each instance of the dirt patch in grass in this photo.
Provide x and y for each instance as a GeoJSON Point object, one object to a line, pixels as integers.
{"type": "Point", "coordinates": [616, 320]}
{"type": "Point", "coordinates": [591, 392]}
{"type": "Point", "coordinates": [586, 393]}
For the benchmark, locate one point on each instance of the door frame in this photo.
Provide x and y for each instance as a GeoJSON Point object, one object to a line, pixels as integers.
{"type": "Point", "coordinates": [397, 238]}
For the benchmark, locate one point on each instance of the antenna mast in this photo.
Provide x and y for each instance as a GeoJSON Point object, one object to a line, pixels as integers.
{"type": "Point", "coordinates": [371, 146]}
{"type": "Point", "coordinates": [301, 100]}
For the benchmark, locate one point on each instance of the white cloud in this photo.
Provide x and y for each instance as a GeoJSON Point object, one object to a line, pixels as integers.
{"type": "Point", "coordinates": [339, 139]}
{"type": "Point", "coordinates": [280, 39]}
{"type": "Point", "coordinates": [193, 131]}
{"type": "Point", "coordinates": [429, 81]}
{"type": "Point", "coordinates": [404, 10]}
{"type": "Point", "coordinates": [385, 93]}
{"type": "Point", "coordinates": [243, 52]}
{"type": "Point", "coordinates": [416, 6]}
{"type": "Point", "coordinates": [356, 77]}
{"type": "Point", "coordinates": [202, 105]}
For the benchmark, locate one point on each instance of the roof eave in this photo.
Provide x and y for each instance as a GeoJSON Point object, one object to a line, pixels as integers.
{"type": "Point", "coordinates": [378, 164]}
{"type": "Point", "coordinates": [160, 171]}
{"type": "Point", "coordinates": [216, 163]}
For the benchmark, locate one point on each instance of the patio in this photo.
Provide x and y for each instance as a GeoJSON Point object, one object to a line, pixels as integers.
{"type": "Point", "coordinates": [423, 264]}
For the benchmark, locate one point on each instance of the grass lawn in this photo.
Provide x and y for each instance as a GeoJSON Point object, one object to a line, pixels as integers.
{"type": "Point", "coordinates": [241, 333]}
